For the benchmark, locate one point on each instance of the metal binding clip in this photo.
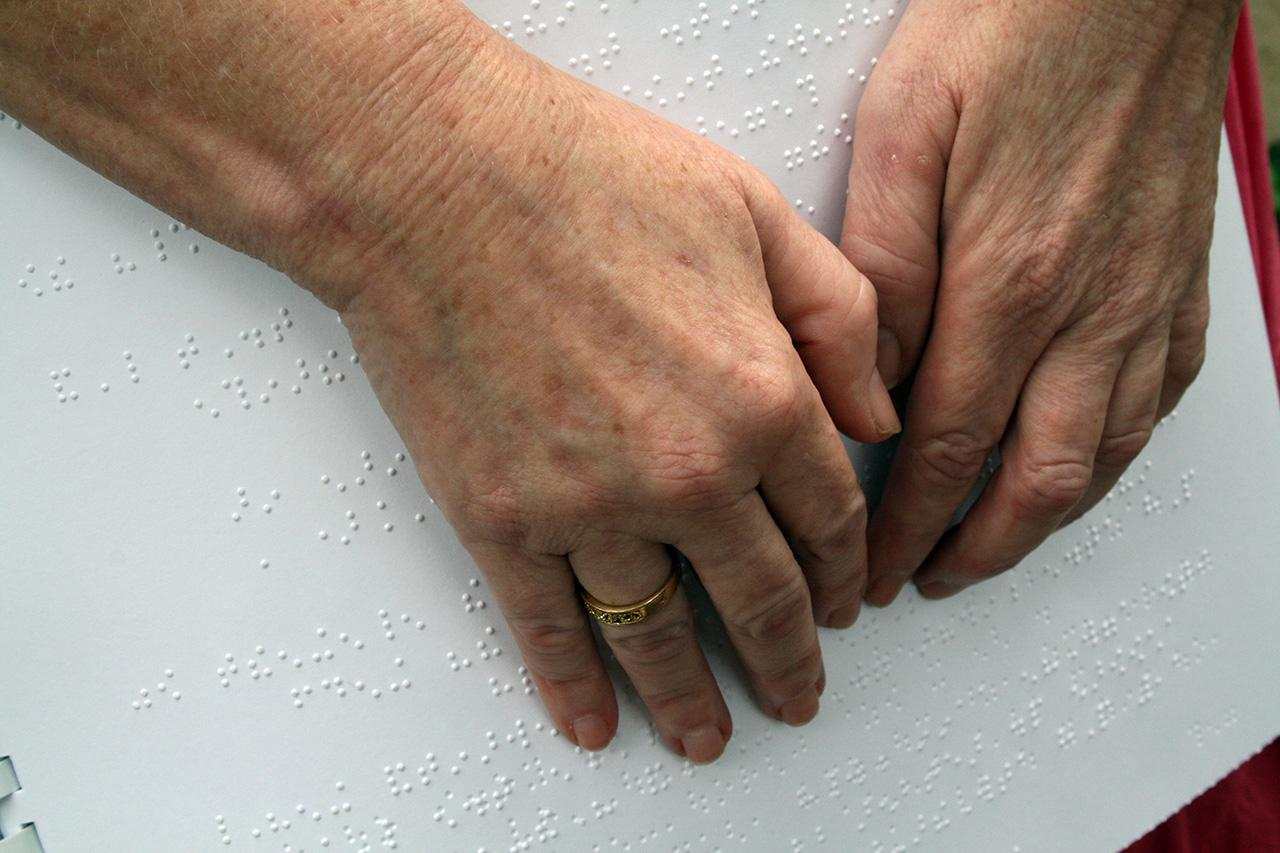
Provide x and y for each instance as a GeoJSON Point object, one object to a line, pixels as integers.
{"type": "Point", "coordinates": [26, 839]}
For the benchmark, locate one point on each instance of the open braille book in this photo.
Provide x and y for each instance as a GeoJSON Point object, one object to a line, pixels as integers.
{"type": "Point", "coordinates": [221, 610]}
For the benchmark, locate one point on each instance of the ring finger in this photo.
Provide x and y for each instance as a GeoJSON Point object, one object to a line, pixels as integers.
{"type": "Point", "coordinates": [660, 654]}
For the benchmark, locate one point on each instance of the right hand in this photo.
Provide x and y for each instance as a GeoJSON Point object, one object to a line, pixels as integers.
{"type": "Point", "coordinates": [599, 334]}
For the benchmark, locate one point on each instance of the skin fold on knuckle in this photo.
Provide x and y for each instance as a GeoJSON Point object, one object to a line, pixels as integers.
{"type": "Point", "coordinates": [496, 513]}
{"type": "Point", "coordinates": [838, 316]}
{"type": "Point", "coordinates": [554, 651]}
{"type": "Point", "coordinates": [765, 397]}
{"type": "Point", "coordinates": [1038, 273]}
{"type": "Point", "coordinates": [679, 705]}
{"type": "Point", "coordinates": [837, 535]}
{"type": "Point", "coordinates": [1051, 487]}
{"type": "Point", "coordinates": [950, 458]}
{"type": "Point", "coordinates": [1185, 364]}
{"type": "Point", "coordinates": [690, 478]}
{"type": "Point", "coordinates": [836, 605]}
{"type": "Point", "coordinates": [653, 648]}
{"type": "Point", "coordinates": [774, 614]}
{"type": "Point", "coordinates": [789, 679]}
{"type": "Point", "coordinates": [1119, 450]}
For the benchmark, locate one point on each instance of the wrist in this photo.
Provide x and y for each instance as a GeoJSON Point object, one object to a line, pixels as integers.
{"type": "Point", "coordinates": [384, 156]}
{"type": "Point", "coordinates": [473, 140]}
{"type": "Point", "coordinates": [266, 125]}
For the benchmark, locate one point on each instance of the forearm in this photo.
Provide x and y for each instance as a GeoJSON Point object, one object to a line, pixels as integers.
{"type": "Point", "coordinates": [257, 120]}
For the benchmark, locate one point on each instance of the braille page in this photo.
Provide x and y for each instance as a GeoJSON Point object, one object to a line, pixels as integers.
{"type": "Point", "coordinates": [231, 617]}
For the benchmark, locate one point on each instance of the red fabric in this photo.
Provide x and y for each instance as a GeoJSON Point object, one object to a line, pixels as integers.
{"type": "Point", "coordinates": [1241, 814]}
{"type": "Point", "coordinates": [1247, 134]}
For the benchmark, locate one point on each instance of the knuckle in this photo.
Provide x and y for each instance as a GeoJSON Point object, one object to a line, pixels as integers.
{"type": "Point", "coordinates": [1052, 487]}
{"type": "Point", "coordinates": [839, 534]}
{"type": "Point", "coordinates": [909, 276]}
{"type": "Point", "coordinates": [495, 514]}
{"type": "Point", "coordinates": [989, 569]}
{"type": "Point", "coordinates": [1185, 364]}
{"type": "Point", "coordinates": [861, 310]}
{"type": "Point", "coordinates": [952, 458]}
{"type": "Point", "coordinates": [655, 647]}
{"type": "Point", "coordinates": [1117, 451]}
{"type": "Point", "coordinates": [847, 588]}
{"type": "Point", "coordinates": [681, 702]}
{"type": "Point", "coordinates": [904, 92]}
{"type": "Point", "coordinates": [766, 393]}
{"type": "Point", "coordinates": [776, 615]}
{"type": "Point", "coordinates": [1038, 273]}
{"type": "Point", "coordinates": [554, 650]}
{"type": "Point", "coordinates": [840, 315]}
{"type": "Point", "coordinates": [687, 474]}
{"type": "Point", "coordinates": [790, 677]}
{"type": "Point", "coordinates": [1196, 322]}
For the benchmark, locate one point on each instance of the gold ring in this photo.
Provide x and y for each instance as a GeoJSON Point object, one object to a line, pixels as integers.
{"type": "Point", "coordinates": [631, 614]}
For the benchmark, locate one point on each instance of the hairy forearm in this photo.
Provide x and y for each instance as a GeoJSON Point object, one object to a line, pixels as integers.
{"type": "Point", "coordinates": [257, 120]}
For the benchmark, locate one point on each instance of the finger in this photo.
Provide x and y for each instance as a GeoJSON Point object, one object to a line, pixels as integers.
{"type": "Point", "coordinates": [1131, 416]}
{"type": "Point", "coordinates": [748, 569]}
{"type": "Point", "coordinates": [1046, 466]}
{"type": "Point", "coordinates": [968, 383]}
{"type": "Point", "coordinates": [660, 654]}
{"type": "Point", "coordinates": [540, 601]}
{"type": "Point", "coordinates": [1186, 344]}
{"type": "Point", "coordinates": [900, 151]}
{"type": "Point", "coordinates": [813, 493]}
{"type": "Point", "coordinates": [829, 309]}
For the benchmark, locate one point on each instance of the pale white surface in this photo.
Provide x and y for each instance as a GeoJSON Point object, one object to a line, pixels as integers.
{"type": "Point", "coordinates": [1069, 705]}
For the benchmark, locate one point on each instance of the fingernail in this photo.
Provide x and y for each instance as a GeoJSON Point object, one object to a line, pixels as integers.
{"type": "Point", "coordinates": [703, 744]}
{"type": "Point", "coordinates": [591, 732]}
{"type": "Point", "coordinates": [937, 589]}
{"type": "Point", "coordinates": [883, 592]}
{"type": "Point", "coordinates": [888, 356]}
{"type": "Point", "coordinates": [801, 709]}
{"type": "Point", "coordinates": [843, 617]}
{"type": "Point", "coordinates": [881, 407]}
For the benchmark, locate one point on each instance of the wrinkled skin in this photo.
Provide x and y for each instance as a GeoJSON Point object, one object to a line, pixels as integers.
{"type": "Point", "coordinates": [1032, 195]}
{"type": "Point", "coordinates": [599, 335]}
{"type": "Point", "coordinates": [611, 335]}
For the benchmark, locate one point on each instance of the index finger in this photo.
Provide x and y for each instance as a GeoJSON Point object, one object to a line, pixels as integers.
{"type": "Point", "coordinates": [963, 396]}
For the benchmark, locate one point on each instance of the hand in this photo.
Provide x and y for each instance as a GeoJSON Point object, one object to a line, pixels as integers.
{"type": "Point", "coordinates": [598, 335]}
{"type": "Point", "coordinates": [1032, 195]}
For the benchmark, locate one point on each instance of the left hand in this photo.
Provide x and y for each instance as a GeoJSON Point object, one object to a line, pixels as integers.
{"type": "Point", "coordinates": [1032, 194]}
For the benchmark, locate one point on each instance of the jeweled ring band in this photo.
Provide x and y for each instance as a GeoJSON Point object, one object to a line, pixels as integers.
{"type": "Point", "coordinates": [632, 614]}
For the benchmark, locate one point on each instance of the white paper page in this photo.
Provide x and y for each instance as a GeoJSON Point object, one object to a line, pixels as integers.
{"type": "Point", "coordinates": [1071, 704]}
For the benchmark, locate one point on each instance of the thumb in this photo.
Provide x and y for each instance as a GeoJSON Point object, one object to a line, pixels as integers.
{"type": "Point", "coordinates": [829, 308]}
{"type": "Point", "coordinates": [902, 141]}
